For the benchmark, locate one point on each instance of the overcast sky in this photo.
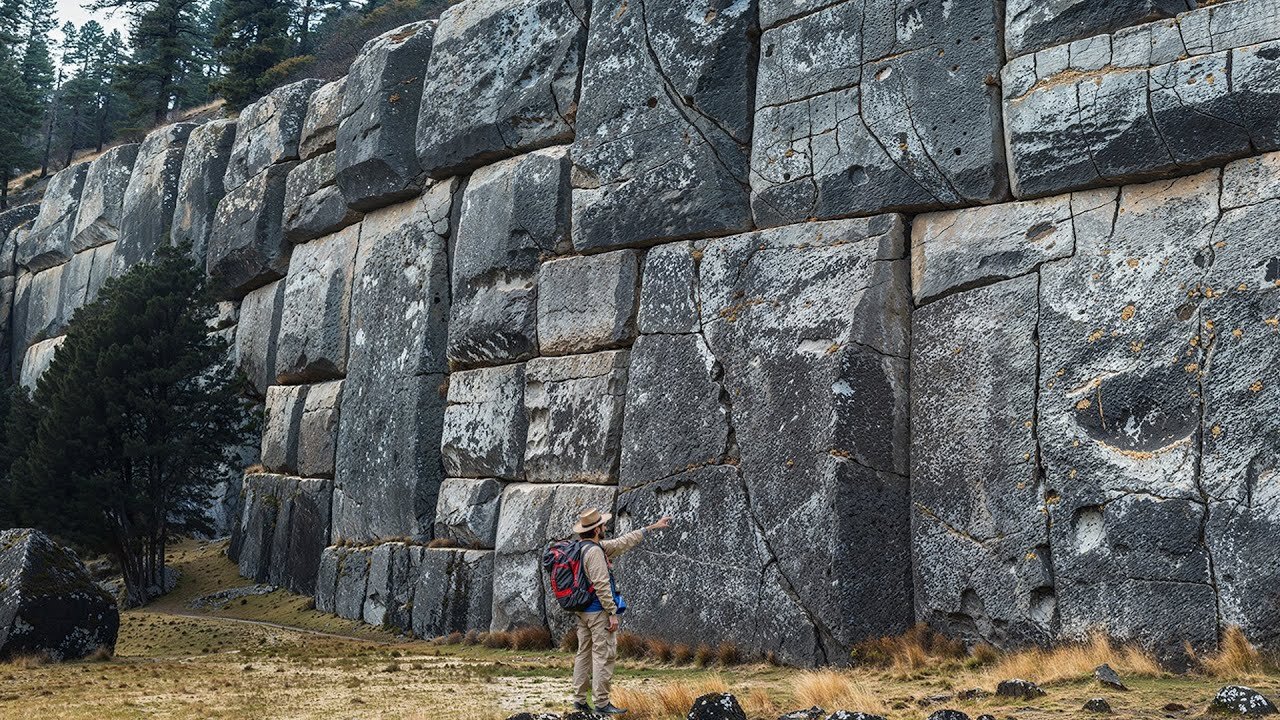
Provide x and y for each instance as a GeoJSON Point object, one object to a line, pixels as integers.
{"type": "Point", "coordinates": [72, 10]}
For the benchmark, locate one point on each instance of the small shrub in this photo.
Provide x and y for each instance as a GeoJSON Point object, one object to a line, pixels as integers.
{"type": "Point", "coordinates": [530, 638]}
{"type": "Point", "coordinates": [442, 543]}
{"type": "Point", "coordinates": [102, 654]}
{"type": "Point", "coordinates": [682, 654]}
{"type": "Point", "coordinates": [495, 640]}
{"type": "Point", "coordinates": [454, 638]}
{"type": "Point", "coordinates": [704, 655]}
{"type": "Point", "coordinates": [727, 654]}
{"type": "Point", "coordinates": [983, 654]}
{"type": "Point", "coordinates": [661, 650]}
{"type": "Point", "coordinates": [471, 638]}
{"type": "Point", "coordinates": [632, 647]}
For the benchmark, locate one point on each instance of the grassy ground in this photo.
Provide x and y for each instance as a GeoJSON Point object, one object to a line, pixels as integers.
{"type": "Point", "coordinates": [273, 656]}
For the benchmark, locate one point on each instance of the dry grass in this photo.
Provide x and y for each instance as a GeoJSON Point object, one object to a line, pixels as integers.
{"type": "Point", "coordinates": [28, 661]}
{"type": "Point", "coordinates": [1236, 657]}
{"type": "Point", "coordinates": [917, 648]}
{"type": "Point", "coordinates": [665, 702]}
{"type": "Point", "coordinates": [759, 703]}
{"type": "Point", "coordinates": [834, 689]}
{"type": "Point", "coordinates": [102, 654]}
{"type": "Point", "coordinates": [1075, 661]}
{"type": "Point", "coordinates": [531, 638]}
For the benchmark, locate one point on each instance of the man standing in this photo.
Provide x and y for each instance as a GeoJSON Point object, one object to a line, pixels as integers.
{"type": "Point", "coordinates": [598, 623]}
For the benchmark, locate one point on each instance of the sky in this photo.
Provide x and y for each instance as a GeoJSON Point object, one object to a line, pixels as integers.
{"type": "Point", "coordinates": [73, 11]}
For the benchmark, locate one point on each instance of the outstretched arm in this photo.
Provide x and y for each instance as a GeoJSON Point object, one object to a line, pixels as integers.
{"type": "Point", "coordinates": [617, 546]}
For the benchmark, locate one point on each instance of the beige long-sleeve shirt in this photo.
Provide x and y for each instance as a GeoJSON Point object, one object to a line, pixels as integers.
{"type": "Point", "coordinates": [597, 559]}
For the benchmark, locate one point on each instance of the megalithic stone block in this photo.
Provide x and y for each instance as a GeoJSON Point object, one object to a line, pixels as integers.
{"type": "Point", "coordinates": [49, 241]}
{"type": "Point", "coordinates": [467, 512]}
{"type": "Point", "coordinates": [514, 214]}
{"type": "Point", "coordinates": [664, 123]}
{"type": "Point", "coordinates": [485, 424]}
{"type": "Point", "coordinates": [318, 430]}
{"type": "Point", "coordinates": [200, 186]}
{"type": "Point", "coordinates": [256, 334]}
{"type": "Point", "coordinates": [313, 204]}
{"type": "Point", "coordinates": [283, 416]}
{"type": "Point", "coordinates": [320, 125]}
{"type": "Point", "coordinates": [101, 210]}
{"type": "Point", "coordinates": [269, 131]}
{"type": "Point", "coordinates": [575, 407]}
{"type": "Point", "coordinates": [312, 346]}
{"type": "Point", "coordinates": [454, 592]}
{"type": "Point", "coordinates": [1032, 25]}
{"type": "Point", "coordinates": [857, 107]}
{"type": "Point", "coordinates": [376, 162]}
{"type": "Point", "coordinates": [977, 503]}
{"type": "Point", "coordinates": [37, 311]}
{"type": "Point", "coordinates": [283, 530]}
{"type": "Point", "coordinates": [1151, 101]}
{"type": "Point", "coordinates": [353, 582]}
{"type": "Point", "coordinates": [149, 201]}
{"type": "Point", "coordinates": [393, 578]}
{"type": "Point", "coordinates": [668, 296]}
{"type": "Point", "coordinates": [247, 248]}
{"type": "Point", "coordinates": [503, 79]}
{"type": "Point", "coordinates": [816, 391]}
{"type": "Point", "coordinates": [588, 303]}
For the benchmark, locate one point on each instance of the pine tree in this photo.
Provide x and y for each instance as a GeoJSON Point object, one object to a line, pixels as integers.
{"type": "Point", "coordinates": [252, 38]}
{"type": "Point", "coordinates": [163, 37]}
{"type": "Point", "coordinates": [18, 117]}
{"type": "Point", "coordinates": [134, 421]}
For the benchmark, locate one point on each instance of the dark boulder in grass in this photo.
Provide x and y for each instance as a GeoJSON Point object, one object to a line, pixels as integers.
{"type": "Point", "coordinates": [716, 706]}
{"type": "Point", "coordinates": [948, 715]}
{"type": "Point", "coordinates": [49, 603]}
{"type": "Point", "coordinates": [1021, 689]}
{"type": "Point", "coordinates": [1240, 700]}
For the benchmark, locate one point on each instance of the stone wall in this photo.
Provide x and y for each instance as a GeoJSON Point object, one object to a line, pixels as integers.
{"type": "Point", "coordinates": [963, 313]}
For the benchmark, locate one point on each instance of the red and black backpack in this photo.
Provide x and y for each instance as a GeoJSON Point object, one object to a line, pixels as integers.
{"type": "Point", "coordinates": [569, 581]}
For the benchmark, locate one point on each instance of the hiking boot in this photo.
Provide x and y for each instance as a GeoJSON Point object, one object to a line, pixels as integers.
{"type": "Point", "coordinates": [609, 709]}
{"type": "Point", "coordinates": [582, 707]}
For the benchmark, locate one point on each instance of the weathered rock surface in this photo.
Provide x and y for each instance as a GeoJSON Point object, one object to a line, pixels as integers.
{"type": "Point", "coordinates": [312, 345]}
{"type": "Point", "coordinates": [503, 79]}
{"type": "Point", "coordinates": [49, 603]}
{"type": "Point", "coordinates": [1020, 689]}
{"type": "Point", "coordinates": [1239, 700]}
{"type": "Point", "coordinates": [37, 359]}
{"type": "Point", "coordinates": [587, 303]}
{"type": "Point", "coordinates": [532, 515]}
{"type": "Point", "coordinates": [388, 457]}
{"type": "Point", "coordinates": [810, 325]}
{"type": "Point", "coordinates": [280, 425]}
{"type": "Point", "coordinates": [313, 204]}
{"type": "Point", "coordinates": [256, 332]}
{"type": "Point", "coordinates": [99, 216]}
{"type": "Point", "coordinates": [147, 214]}
{"type": "Point", "coordinates": [247, 248]}
{"type": "Point", "coordinates": [389, 592]}
{"type": "Point", "coordinates": [485, 424]}
{"type": "Point", "coordinates": [958, 249]}
{"type": "Point", "coordinates": [10, 220]}
{"type": "Point", "coordinates": [1036, 24]}
{"type": "Point", "coordinates": [514, 213]}
{"type": "Point", "coordinates": [467, 511]}
{"type": "Point", "coordinates": [716, 706]}
{"type": "Point", "coordinates": [454, 592]}
{"type": "Point", "coordinates": [664, 123]}
{"type": "Point", "coordinates": [1151, 101]}
{"type": "Point", "coordinates": [200, 185]}
{"type": "Point", "coordinates": [857, 107]}
{"type": "Point", "coordinates": [269, 132]}
{"type": "Point", "coordinates": [342, 580]}
{"type": "Point", "coordinates": [283, 530]}
{"type": "Point", "coordinates": [320, 124]}
{"type": "Point", "coordinates": [668, 296]}
{"type": "Point", "coordinates": [376, 162]}
{"type": "Point", "coordinates": [49, 242]}
{"type": "Point", "coordinates": [1098, 706]}
{"type": "Point", "coordinates": [979, 532]}
{"type": "Point", "coordinates": [574, 406]}
{"type": "Point", "coordinates": [318, 430]}
{"type": "Point", "coordinates": [1108, 677]}
{"type": "Point", "coordinates": [37, 307]}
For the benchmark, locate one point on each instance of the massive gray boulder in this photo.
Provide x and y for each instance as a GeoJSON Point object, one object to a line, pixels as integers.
{"type": "Point", "coordinates": [664, 123]}
{"type": "Point", "coordinates": [49, 603]}
{"type": "Point", "coordinates": [280, 423]}
{"type": "Point", "coordinates": [318, 429]}
{"type": "Point", "coordinates": [149, 202]}
{"type": "Point", "coordinates": [588, 303]}
{"type": "Point", "coordinates": [375, 161]}
{"type": "Point", "coordinates": [668, 297]}
{"type": "Point", "coordinates": [574, 405]}
{"type": "Point", "coordinates": [454, 592]}
{"type": "Point", "coordinates": [1032, 25]}
{"type": "Point", "coordinates": [99, 216]}
{"type": "Point", "coordinates": [49, 241]}
{"type": "Point", "coordinates": [256, 332]}
{"type": "Point", "coordinates": [389, 591]}
{"type": "Point", "coordinates": [247, 248]}
{"type": "Point", "coordinates": [312, 345]}
{"type": "Point", "coordinates": [514, 214]}
{"type": "Point", "coordinates": [283, 530]}
{"type": "Point", "coordinates": [810, 325]}
{"type": "Point", "coordinates": [320, 124]}
{"type": "Point", "coordinates": [37, 307]}
{"type": "Point", "coordinates": [1150, 101]}
{"type": "Point", "coordinates": [269, 132]}
{"type": "Point", "coordinates": [313, 204]}
{"type": "Point", "coordinates": [388, 467]}
{"type": "Point", "coordinates": [485, 424]}
{"type": "Point", "coordinates": [532, 516]}
{"type": "Point", "coordinates": [502, 80]}
{"type": "Point", "coordinates": [200, 186]}
{"type": "Point", "coordinates": [467, 511]}
{"type": "Point", "coordinates": [36, 360]}
{"type": "Point", "coordinates": [980, 534]}
{"type": "Point", "coordinates": [857, 111]}
{"type": "Point", "coordinates": [341, 581]}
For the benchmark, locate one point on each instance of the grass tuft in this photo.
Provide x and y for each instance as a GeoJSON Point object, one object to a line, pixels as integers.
{"type": "Point", "coordinates": [1236, 657]}
{"type": "Point", "coordinates": [530, 638]}
{"type": "Point", "coordinates": [1075, 661]}
{"type": "Point", "coordinates": [833, 689]}
{"type": "Point", "coordinates": [913, 650]}
{"type": "Point", "coordinates": [666, 702]}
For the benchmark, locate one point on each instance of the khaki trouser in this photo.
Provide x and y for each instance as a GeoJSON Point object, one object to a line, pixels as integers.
{"type": "Point", "coordinates": [597, 650]}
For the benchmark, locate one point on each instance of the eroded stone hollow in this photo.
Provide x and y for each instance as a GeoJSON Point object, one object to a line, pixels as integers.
{"type": "Point", "coordinates": [964, 313]}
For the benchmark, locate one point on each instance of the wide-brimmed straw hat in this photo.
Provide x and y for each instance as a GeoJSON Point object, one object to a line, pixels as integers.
{"type": "Point", "coordinates": [590, 520]}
